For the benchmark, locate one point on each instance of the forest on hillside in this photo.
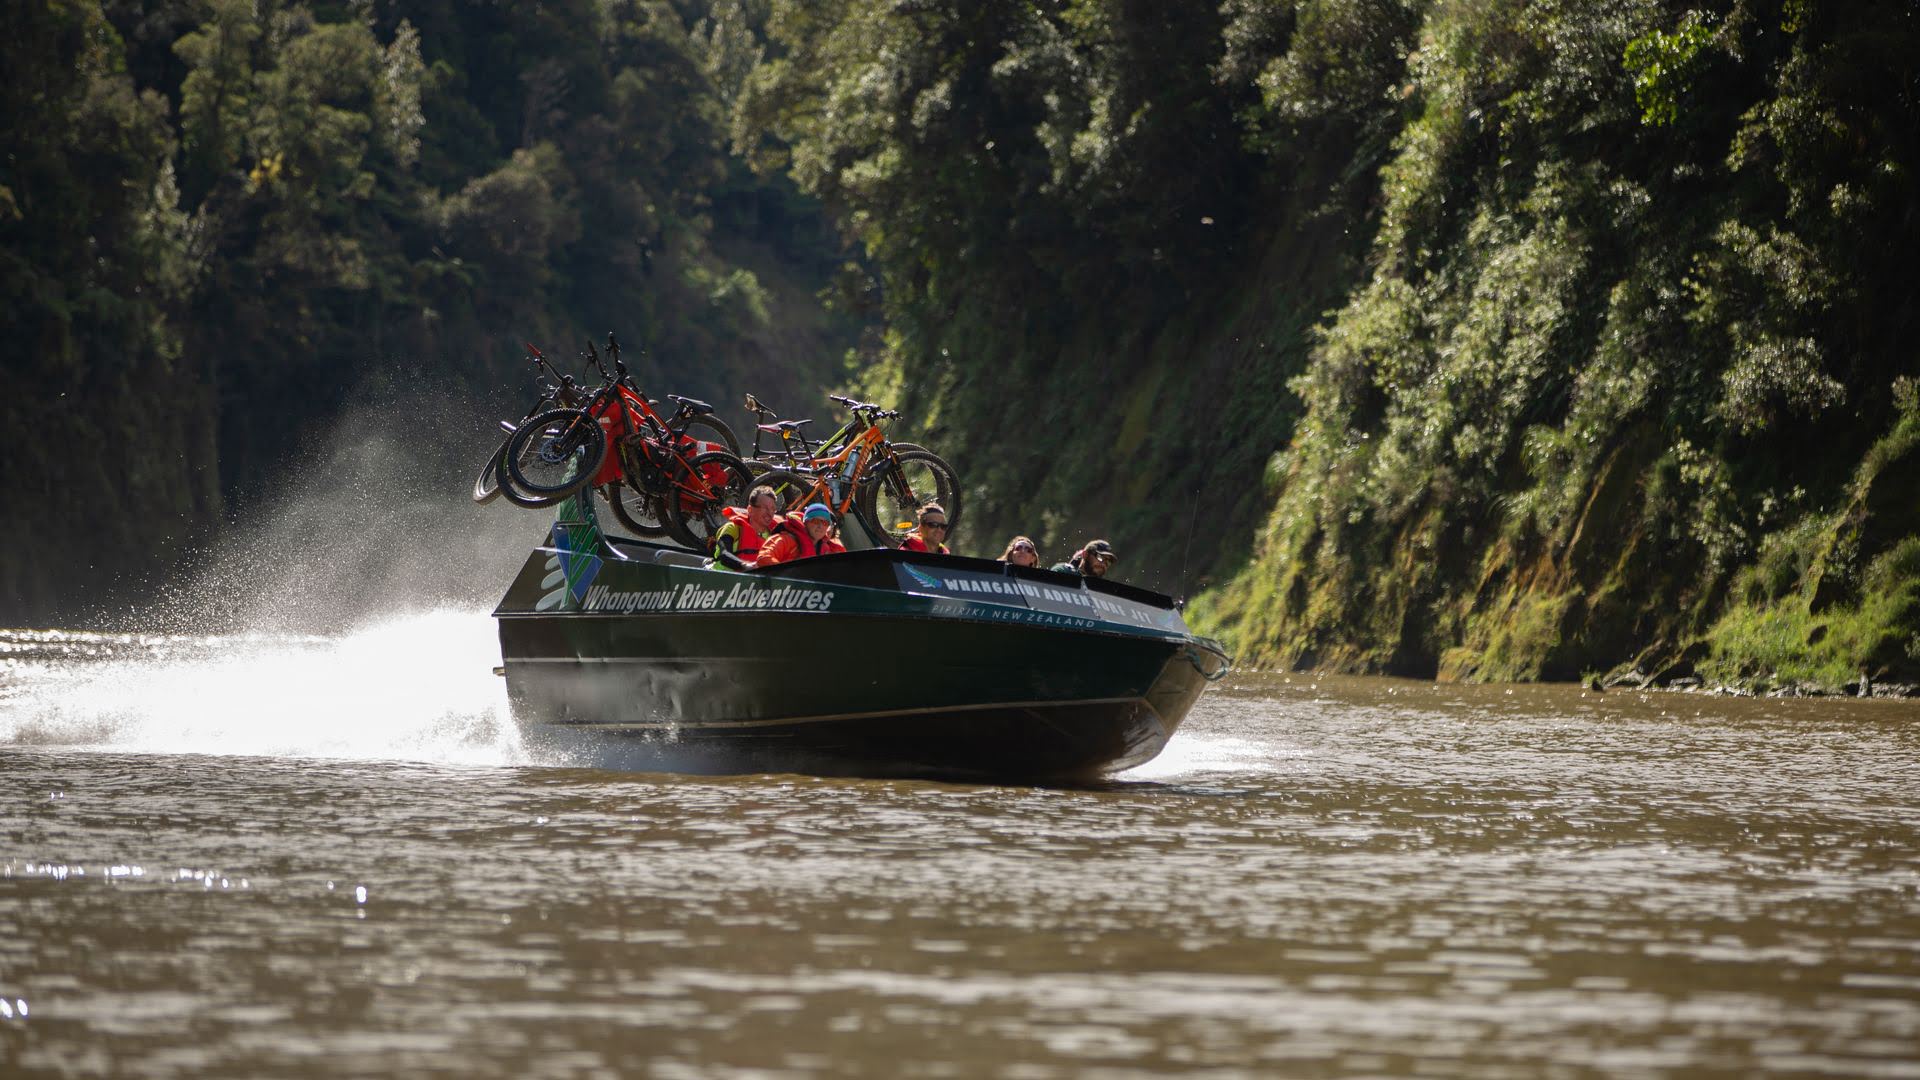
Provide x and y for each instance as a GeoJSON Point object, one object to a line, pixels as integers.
{"type": "Point", "coordinates": [1504, 339]}
{"type": "Point", "coordinates": [1492, 339]}
{"type": "Point", "coordinates": [226, 224]}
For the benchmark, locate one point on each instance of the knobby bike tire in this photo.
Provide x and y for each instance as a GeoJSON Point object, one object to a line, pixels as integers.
{"type": "Point", "coordinates": [514, 495]}
{"type": "Point", "coordinates": [719, 428]}
{"type": "Point", "coordinates": [952, 504]}
{"type": "Point", "coordinates": [790, 488]}
{"type": "Point", "coordinates": [523, 452]}
{"type": "Point", "coordinates": [890, 520]}
{"type": "Point", "coordinates": [694, 525]}
{"type": "Point", "coordinates": [486, 486]}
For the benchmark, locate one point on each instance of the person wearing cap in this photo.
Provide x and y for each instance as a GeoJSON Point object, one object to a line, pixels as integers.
{"type": "Point", "coordinates": [1090, 561]}
{"type": "Point", "coordinates": [801, 536]}
{"type": "Point", "coordinates": [1021, 551]}
{"type": "Point", "coordinates": [929, 531]}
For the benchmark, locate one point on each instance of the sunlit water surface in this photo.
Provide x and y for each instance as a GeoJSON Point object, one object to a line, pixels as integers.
{"type": "Point", "coordinates": [271, 856]}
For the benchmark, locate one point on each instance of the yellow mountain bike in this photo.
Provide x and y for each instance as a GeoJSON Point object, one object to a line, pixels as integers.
{"type": "Point", "coordinates": [857, 470]}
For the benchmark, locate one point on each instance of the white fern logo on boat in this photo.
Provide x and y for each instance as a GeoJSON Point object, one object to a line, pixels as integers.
{"type": "Point", "coordinates": [925, 579]}
{"type": "Point", "coordinates": [555, 583]}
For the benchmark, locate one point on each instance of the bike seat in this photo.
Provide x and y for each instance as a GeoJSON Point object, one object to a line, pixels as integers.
{"type": "Point", "coordinates": [784, 425]}
{"type": "Point", "coordinates": [691, 405]}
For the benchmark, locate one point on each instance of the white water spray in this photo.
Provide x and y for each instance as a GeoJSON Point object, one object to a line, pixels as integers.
{"type": "Point", "coordinates": [415, 686]}
{"type": "Point", "coordinates": [346, 617]}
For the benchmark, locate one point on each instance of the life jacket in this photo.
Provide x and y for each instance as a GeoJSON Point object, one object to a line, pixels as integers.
{"type": "Point", "coordinates": [791, 541]}
{"type": "Point", "coordinates": [750, 541]}
{"type": "Point", "coordinates": [914, 543]}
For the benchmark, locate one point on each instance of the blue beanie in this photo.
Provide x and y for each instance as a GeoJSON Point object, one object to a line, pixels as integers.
{"type": "Point", "coordinates": [818, 510]}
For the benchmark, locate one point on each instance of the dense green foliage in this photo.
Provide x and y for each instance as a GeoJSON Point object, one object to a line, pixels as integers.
{"type": "Point", "coordinates": [1636, 318]}
{"type": "Point", "coordinates": [1578, 326]}
{"type": "Point", "coordinates": [1101, 231]}
{"type": "Point", "coordinates": [1493, 339]}
{"type": "Point", "coordinates": [222, 223]}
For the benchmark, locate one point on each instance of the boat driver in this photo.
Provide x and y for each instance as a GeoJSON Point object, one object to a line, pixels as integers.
{"type": "Point", "coordinates": [1091, 561]}
{"type": "Point", "coordinates": [737, 545]}
{"type": "Point", "coordinates": [801, 536]}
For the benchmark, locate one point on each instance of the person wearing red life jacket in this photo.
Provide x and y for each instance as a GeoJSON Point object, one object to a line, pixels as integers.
{"type": "Point", "coordinates": [738, 543]}
{"type": "Point", "coordinates": [801, 536]}
{"type": "Point", "coordinates": [929, 530]}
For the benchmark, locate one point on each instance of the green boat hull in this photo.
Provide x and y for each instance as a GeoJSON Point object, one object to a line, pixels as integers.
{"type": "Point", "coordinates": [871, 663]}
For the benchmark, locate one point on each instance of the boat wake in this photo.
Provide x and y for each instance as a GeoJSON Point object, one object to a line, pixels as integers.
{"type": "Point", "coordinates": [415, 686]}
{"type": "Point", "coordinates": [1193, 755]}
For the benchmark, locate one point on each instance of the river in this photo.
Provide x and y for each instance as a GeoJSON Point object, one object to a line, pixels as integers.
{"type": "Point", "coordinates": [264, 855]}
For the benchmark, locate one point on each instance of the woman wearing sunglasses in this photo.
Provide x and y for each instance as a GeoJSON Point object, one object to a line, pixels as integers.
{"type": "Point", "coordinates": [1021, 552]}
{"type": "Point", "coordinates": [929, 531]}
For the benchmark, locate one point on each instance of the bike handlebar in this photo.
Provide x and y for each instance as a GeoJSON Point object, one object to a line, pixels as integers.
{"type": "Point", "coordinates": [880, 412]}
{"type": "Point", "coordinates": [613, 350]}
{"type": "Point", "coordinates": [541, 363]}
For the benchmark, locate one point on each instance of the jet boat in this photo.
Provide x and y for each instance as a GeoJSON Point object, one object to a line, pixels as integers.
{"type": "Point", "coordinates": [874, 662]}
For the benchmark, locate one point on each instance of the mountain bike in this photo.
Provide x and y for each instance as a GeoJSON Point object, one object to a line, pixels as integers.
{"type": "Point", "coordinates": [563, 392]}
{"type": "Point", "coordinates": [856, 468]}
{"type": "Point", "coordinates": [913, 466]}
{"type": "Point", "coordinates": [657, 477]}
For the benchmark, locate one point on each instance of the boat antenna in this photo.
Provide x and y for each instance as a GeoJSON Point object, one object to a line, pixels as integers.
{"type": "Point", "coordinates": [1193, 516]}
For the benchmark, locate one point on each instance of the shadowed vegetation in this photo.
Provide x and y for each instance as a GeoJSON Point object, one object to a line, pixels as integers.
{"type": "Point", "coordinates": [1492, 340]}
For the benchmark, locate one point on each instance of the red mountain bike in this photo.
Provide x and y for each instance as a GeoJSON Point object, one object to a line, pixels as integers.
{"type": "Point", "coordinates": [563, 392]}
{"type": "Point", "coordinates": [657, 477]}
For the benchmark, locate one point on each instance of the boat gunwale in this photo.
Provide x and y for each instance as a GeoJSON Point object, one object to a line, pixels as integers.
{"type": "Point", "coordinates": [1102, 627]}
{"type": "Point", "coordinates": [1126, 591]}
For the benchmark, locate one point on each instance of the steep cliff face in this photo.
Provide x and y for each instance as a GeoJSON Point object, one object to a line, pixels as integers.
{"type": "Point", "coordinates": [1100, 235]}
{"type": "Point", "coordinates": [1476, 340]}
{"type": "Point", "coordinates": [1629, 382]}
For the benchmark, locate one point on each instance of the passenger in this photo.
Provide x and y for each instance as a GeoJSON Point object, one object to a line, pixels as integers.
{"type": "Point", "coordinates": [1021, 552]}
{"type": "Point", "coordinates": [932, 520]}
{"type": "Point", "coordinates": [738, 543]}
{"type": "Point", "coordinates": [1090, 561]}
{"type": "Point", "coordinates": [801, 536]}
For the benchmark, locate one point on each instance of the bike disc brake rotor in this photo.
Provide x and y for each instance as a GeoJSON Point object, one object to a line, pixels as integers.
{"type": "Point", "coordinates": [556, 448]}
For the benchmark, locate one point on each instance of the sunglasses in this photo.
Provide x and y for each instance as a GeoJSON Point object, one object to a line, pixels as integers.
{"type": "Point", "coordinates": [933, 524]}
{"type": "Point", "coordinates": [1024, 547]}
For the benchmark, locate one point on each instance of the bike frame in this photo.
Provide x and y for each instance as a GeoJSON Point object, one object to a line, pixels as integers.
{"type": "Point", "coordinates": [622, 412]}
{"type": "Point", "coordinates": [871, 444]}
{"type": "Point", "coordinates": [833, 447]}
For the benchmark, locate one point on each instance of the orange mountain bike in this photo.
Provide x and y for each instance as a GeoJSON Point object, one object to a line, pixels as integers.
{"type": "Point", "coordinates": [857, 469]}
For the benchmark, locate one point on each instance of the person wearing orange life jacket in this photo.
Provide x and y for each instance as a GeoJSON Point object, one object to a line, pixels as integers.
{"type": "Point", "coordinates": [928, 532]}
{"type": "Point", "coordinates": [737, 545]}
{"type": "Point", "coordinates": [801, 536]}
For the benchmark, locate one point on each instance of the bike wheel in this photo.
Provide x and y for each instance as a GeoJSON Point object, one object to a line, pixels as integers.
{"type": "Point", "coordinates": [890, 505]}
{"type": "Point", "coordinates": [712, 429]}
{"type": "Point", "coordinates": [555, 454]}
{"type": "Point", "coordinates": [789, 488]}
{"type": "Point", "coordinates": [952, 504]}
{"type": "Point", "coordinates": [517, 497]}
{"type": "Point", "coordinates": [695, 511]}
{"type": "Point", "coordinates": [523, 499]}
{"type": "Point", "coordinates": [486, 486]}
{"type": "Point", "coordinates": [636, 509]}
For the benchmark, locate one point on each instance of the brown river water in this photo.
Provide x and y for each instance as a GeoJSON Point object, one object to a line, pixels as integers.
{"type": "Point", "coordinates": [269, 856]}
